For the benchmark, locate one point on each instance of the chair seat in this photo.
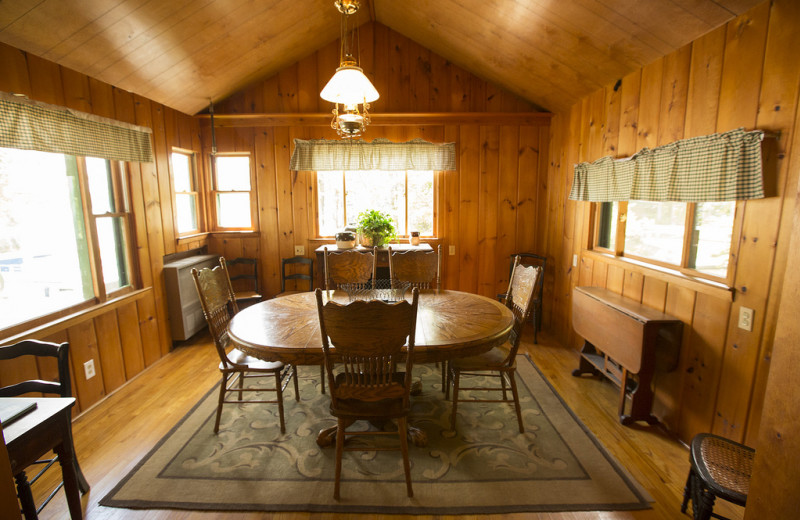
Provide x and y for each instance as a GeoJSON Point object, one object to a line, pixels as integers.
{"type": "Point", "coordinates": [491, 360]}
{"type": "Point", "coordinates": [248, 295]}
{"type": "Point", "coordinates": [240, 359]}
{"type": "Point", "coordinates": [382, 409]}
{"type": "Point", "coordinates": [724, 465]}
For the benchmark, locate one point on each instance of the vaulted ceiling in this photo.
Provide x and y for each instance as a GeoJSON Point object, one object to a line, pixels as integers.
{"type": "Point", "coordinates": [181, 53]}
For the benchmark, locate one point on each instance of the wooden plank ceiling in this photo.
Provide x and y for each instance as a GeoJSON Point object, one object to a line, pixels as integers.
{"type": "Point", "coordinates": [181, 53]}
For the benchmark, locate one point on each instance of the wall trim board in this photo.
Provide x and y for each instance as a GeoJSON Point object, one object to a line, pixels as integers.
{"type": "Point", "coordinates": [381, 119]}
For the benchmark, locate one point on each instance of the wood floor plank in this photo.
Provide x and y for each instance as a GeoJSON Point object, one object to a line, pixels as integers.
{"type": "Point", "coordinates": [112, 436]}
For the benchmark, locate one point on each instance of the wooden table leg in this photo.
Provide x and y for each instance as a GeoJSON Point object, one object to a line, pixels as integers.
{"type": "Point", "coordinates": [66, 457]}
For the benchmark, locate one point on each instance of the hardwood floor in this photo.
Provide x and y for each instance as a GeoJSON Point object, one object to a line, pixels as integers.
{"type": "Point", "coordinates": [114, 435]}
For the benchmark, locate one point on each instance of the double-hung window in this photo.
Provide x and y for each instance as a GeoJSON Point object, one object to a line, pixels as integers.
{"type": "Point", "coordinates": [233, 182]}
{"type": "Point", "coordinates": [65, 233]}
{"type": "Point", "coordinates": [408, 196]}
{"type": "Point", "coordinates": [694, 237]}
{"type": "Point", "coordinates": [187, 200]}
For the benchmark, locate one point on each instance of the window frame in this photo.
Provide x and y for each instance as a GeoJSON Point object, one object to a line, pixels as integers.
{"type": "Point", "coordinates": [619, 241]}
{"type": "Point", "coordinates": [121, 188]}
{"type": "Point", "coordinates": [197, 193]}
{"type": "Point", "coordinates": [213, 191]}
{"type": "Point", "coordinates": [436, 225]}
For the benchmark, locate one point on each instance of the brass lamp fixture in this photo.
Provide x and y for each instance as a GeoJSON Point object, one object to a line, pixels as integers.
{"type": "Point", "coordinates": [349, 86]}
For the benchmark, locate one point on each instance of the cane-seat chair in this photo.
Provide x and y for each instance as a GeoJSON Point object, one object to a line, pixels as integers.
{"type": "Point", "coordinates": [219, 306]}
{"type": "Point", "coordinates": [41, 351]}
{"type": "Point", "coordinates": [536, 311]}
{"type": "Point", "coordinates": [720, 468]}
{"type": "Point", "coordinates": [363, 347]}
{"type": "Point", "coordinates": [499, 362]}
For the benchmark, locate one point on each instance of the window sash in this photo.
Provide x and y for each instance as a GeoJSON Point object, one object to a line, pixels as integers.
{"type": "Point", "coordinates": [218, 194]}
{"type": "Point", "coordinates": [191, 223]}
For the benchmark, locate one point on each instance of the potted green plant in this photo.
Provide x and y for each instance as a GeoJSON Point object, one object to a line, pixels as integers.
{"type": "Point", "coordinates": [376, 227]}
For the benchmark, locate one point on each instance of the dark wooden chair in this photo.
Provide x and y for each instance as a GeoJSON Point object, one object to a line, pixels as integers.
{"type": "Point", "coordinates": [501, 361]}
{"type": "Point", "coordinates": [367, 338]}
{"type": "Point", "coordinates": [719, 468]}
{"type": "Point", "coordinates": [421, 269]}
{"type": "Point", "coordinates": [244, 280]}
{"type": "Point", "coordinates": [349, 266]}
{"type": "Point", "coordinates": [536, 312]}
{"type": "Point", "coordinates": [308, 276]}
{"type": "Point", "coordinates": [60, 388]}
{"type": "Point", "coordinates": [296, 261]}
{"type": "Point", "coordinates": [219, 306]}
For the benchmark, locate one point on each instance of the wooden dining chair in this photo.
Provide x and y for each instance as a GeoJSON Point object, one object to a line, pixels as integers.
{"type": "Point", "coordinates": [500, 361]}
{"type": "Point", "coordinates": [362, 344]}
{"type": "Point", "coordinates": [349, 266]}
{"type": "Point", "coordinates": [538, 293]}
{"type": "Point", "coordinates": [244, 280]}
{"type": "Point", "coordinates": [41, 351]}
{"type": "Point", "coordinates": [219, 306]}
{"type": "Point", "coordinates": [421, 269]}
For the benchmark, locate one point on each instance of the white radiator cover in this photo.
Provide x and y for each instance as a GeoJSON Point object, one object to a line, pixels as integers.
{"type": "Point", "coordinates": [185, 312]}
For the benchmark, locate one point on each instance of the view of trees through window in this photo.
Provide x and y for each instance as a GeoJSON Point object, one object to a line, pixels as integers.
{"type": "Point", "coordinates": [46, 239]}
{"type": "Point", "coordinates": [696, 236]}
{"type": "Point", "coordinates": [405, 195]}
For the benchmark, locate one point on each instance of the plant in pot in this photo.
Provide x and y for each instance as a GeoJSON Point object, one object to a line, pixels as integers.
{"type": "Point", "coordinates": [376, 227]}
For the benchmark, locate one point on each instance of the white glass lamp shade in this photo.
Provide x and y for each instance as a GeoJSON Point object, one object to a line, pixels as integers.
{"type": "Point", "coordinates": [349, 86]}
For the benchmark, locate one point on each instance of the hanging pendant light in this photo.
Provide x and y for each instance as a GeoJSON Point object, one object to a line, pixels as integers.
{"type": "Point", "coordinates": [349, 87]}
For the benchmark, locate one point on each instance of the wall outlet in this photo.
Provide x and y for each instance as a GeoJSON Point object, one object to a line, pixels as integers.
{"type": "Point", "coordinates": [88, 368]}
{"type": "Point", "coordinates": [452, 250]}
{"type": "Point", "coordinates": [746, 318]}
{"type": "Point", "coordinates": [299, 250]}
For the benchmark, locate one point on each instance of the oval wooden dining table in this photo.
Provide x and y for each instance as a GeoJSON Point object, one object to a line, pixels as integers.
{"type": "Point", "coordinates": [450, 324]}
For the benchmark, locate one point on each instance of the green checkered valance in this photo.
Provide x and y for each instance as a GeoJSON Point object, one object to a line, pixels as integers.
{"type": "Point", "coordinates": [30, 125]}
{"type": "Point", "coordinates": [709, 168]}
{"type": "Point", "coordinates": [380, 154]}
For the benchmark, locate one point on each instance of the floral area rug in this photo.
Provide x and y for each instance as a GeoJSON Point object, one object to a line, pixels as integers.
{"type": "Point", "coordinates": [486, 466]}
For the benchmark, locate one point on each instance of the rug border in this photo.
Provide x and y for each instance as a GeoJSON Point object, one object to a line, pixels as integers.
{"type": "Point", "coordinates": [636, 489]}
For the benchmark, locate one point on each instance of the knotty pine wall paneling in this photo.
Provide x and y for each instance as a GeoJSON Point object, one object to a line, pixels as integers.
{"type": "Point", "coordinates": [126, 335]}
{"type": "Point", "coordinates": [740, 75]}
{"type": "Point", "coordinates": [487, 209]}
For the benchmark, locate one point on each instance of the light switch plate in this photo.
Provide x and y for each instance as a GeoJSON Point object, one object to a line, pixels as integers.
{"type": "Point", "coordinates": [746, 318]}
{"type": "Point", "coordinates": [574, 260]}
{"type": "Point", "coordinates": [299, 250]}
{"type": "Point", "coordinates": [452, 250]}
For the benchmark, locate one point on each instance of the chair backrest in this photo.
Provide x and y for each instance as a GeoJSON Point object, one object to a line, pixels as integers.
{"type": "Point", "coordinates": [422, 269]}
{"type": "Point", "coordinates": [31, 347]}
{"type": "Point", "coordinates": [243, 274]}
{"type": "Point", "coordinates": [519, 299]}
{"type": "Point", "coordinates": [349, 266]}
{"type": "Point", "coordinates": [294, 261]}
{"type": "Point", "coordinates": [368, 338]}
{"type": "Point", "coordinates": [218, 302]}
{"type": "Point", "coordinates": [534, 260]}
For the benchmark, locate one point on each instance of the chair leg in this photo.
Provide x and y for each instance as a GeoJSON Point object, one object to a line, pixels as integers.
{"type": "Point", "coordinates": [83, 485]}
{"type": "Point", "coordinates": [444, 376]}
{"type": "Point", "coordinates": [340, 427]}
{"type": "Point", "coordinates": [503, 386]}
{"type": "Point", "coordinates": [322, 378]}
{"type": "Point", "coordinates": [515, 394]}
{"type": "Point", "coordinates": [296, 384]}
{"type": "Point", "coordinates": [456, 375]}
{"type": "Point", "coordinates": [222, 386]}
{"type": "Point", "coordinates": [241, 385]}
{"type": "Point", "coordinates": [279, 391]}
{"type": "Point", "coordinates": [402, 431]}
{"type": "Point", "coordinates": [687, 490]}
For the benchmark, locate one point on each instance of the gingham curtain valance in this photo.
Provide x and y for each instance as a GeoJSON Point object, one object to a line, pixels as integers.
{"type": "Point", "coordinates": [380, 154]}
{"type": "Point", "coordinates": [30, 125]}
{"type": "Point", "coordinates": [717, 167]}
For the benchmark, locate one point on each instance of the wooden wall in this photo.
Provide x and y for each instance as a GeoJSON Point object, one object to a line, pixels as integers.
{"type": "Point", "coordinates": [487, 209]}
{"type": "Point", "coordinates": [126, 335]}
{"type": "Point", "coordinates": [743, 74]}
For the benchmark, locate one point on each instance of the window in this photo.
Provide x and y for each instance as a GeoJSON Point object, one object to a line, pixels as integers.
{"type": "Point", "coordinates": [184, 182]}
{"type": "Point", "coordinates": [691, 236]}
{"type": "Point", "coordinates": [406, 195]}
{"type": "Point", "coordinates": [65, 233]}
{"type": "Point", "coordinates": [232, 191]}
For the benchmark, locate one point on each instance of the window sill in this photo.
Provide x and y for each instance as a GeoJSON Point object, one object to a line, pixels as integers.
{"type": "Point", "coordinates": [61, 323]}
{"type": "Point", "coordinates": [673, 276]}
